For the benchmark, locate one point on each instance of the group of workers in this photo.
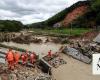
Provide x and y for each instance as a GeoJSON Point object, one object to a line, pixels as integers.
{"type": "Point", "coordinates": [13, 58]}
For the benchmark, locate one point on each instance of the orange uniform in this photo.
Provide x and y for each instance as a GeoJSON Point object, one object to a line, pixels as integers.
{"type": "Point", "coordinates": [10, 59]}
{"type": "Point", "coordinates": [32, 58]}
{"type": "Point", "coordinates": [17, 57]}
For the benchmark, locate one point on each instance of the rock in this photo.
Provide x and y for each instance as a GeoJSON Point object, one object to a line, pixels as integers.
{"type": "Point", "coordinates": [75, 53]}
{"type": "Point", "coordinates": [26, 73]}
{"type": "Point", "coordinates": [4, 67]}
{"type": "Point", "coordinates": [22, 73]}
{"type": "Point", "coordinates": [13, 77]}
{"type": "Point", "coordinates": [31, 78]}
{"type": "Point", "coordinates": [0, 78]}
{"type": "Point", "coordinates": [15, 71]}
{"type": "Point", "coordinates": [4, 76]}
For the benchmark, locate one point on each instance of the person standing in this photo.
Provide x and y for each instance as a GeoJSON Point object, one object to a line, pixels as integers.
{"type": "Point", "coordinates": [10, 59]}
{"type": "Point", "coordinates": [32, 58]}
{"type": "Point", "coordinates": [16, 57]}
{"type": "Point", "coordinates": [23, 58]}
{"type": "Point", "coordinates": [49, 54]}
{"type": "Point", "coordinates": [26, 56]}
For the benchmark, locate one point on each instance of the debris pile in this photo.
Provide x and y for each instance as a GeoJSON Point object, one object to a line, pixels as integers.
{"type": "Point", "coordinates": [59, 40]}
{"type": "Point", "coordinates": [81, 50]}
{"type": "Point", "coordinates": [55, 60]}
{"type": "Point", "coordinates": [85, 38]}
{"type": "Point", "coordinates": [77, 54]}
{"type": "Point", "coordinates": [90, 35]}
{"type": "Point", "coordinates": [26, 39]}
{"type": "Point", "coordinates": [22, 73]}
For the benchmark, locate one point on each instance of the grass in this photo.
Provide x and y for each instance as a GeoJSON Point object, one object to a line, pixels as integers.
{"type": "Point", "coordinates": [61, 32]}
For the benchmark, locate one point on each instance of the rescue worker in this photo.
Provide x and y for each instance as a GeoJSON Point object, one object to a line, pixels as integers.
{"type": "Point", "coordinates": [16, 57]}
{"type": "Point", "coordinates": [49, 54]}
{"type": "Point", "coordinates": [10, 59]}
{"type": "Point", "coordinates": [32, 57]}
{"type": "Point", "coordinates": [23, 58]}
{"type": "Point", "coordinates": [26, 55]}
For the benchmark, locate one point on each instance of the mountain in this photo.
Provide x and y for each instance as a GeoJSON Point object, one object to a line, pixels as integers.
{"type": "Point", "coordinates": [10, 26]}
{"type": "Point", "coordinates": [69, 14]}
{"type": "Point", "coordinates": [81, 14]}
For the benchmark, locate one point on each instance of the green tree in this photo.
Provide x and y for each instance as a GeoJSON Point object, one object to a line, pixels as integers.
{"type": "Point", "coordinates": [10, 26]}
{"type": "Point", "coordinates": [95, 5]}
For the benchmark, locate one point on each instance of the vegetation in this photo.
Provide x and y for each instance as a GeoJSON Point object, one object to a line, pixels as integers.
{"type": "Point", "coordinates": [61, 32]}
{"type": "Point", "coordinates": [10, 26]}
{"type": "Point", "coordinates": [95, 5]}
{"type": "Point", "coordinates": [91, 18]}
{"type": "Point", "coordinates": [37, 25]}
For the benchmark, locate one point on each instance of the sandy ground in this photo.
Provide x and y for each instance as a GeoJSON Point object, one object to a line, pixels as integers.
{"type": "Point", "coordinates": [74, 70]}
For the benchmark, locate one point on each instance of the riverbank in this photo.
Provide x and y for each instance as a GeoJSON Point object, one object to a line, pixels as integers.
{"type": "Point", "coordinates": [61, 36]}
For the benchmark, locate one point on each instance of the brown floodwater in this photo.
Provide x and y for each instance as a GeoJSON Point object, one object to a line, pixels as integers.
{"type": "Point", "coordinates": [39, 48]}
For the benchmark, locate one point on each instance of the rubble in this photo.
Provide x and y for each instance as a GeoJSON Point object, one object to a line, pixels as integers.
{"type": "Point", "coordinates": [26, 39]}
{"type": "Point", "coordinates": [81, 50]}
{"type": "Point", "coordinates": [77, 55]}
{"type": "Point", "coordinates": [22, 73]}
{"type": "Point", "coordinates": [55, 60]}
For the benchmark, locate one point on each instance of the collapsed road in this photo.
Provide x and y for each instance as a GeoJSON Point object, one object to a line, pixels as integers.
{"type": "Point", "coordinates": [77, 55]}
{"type": "Point", "coordinates": [39, 75]}
{"type": "Point", "coordinates": [45, 68]}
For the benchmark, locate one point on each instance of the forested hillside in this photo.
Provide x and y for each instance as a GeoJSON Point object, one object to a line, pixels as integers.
{"type": "Point", "coordinates": [88, 16]}
{"type": "Point", "coordinates": [10, 26]}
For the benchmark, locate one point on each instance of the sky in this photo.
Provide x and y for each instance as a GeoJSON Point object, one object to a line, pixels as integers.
{"type": "Point", "coordinates": [31, 11]}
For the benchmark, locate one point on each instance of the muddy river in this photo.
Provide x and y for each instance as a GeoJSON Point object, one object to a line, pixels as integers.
{"type": "Point", "coordinates": [39, 48]}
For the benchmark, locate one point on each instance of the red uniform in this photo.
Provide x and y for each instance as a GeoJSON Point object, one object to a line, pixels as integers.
{"type": "Point", "coordinates": [10, 59]}
{"type": "Point", "coordinates": [24, 58]}
{"type": "Point", "coordinates": [32, 58]}
{"type": "Point", "coordinates": [49, 54]}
